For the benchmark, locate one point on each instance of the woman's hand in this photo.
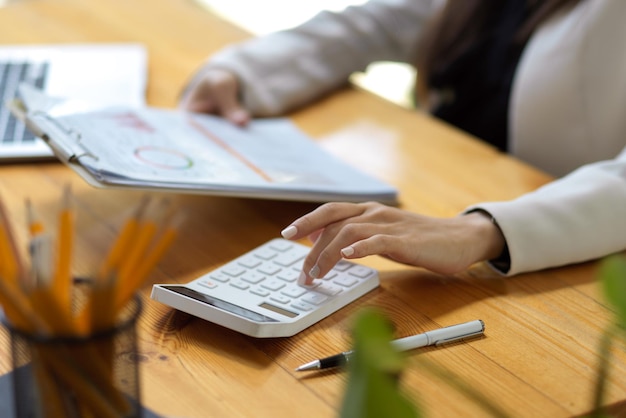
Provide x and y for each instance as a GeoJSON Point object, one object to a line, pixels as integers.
{"type": "Point", "coordinates": [216, 92]}
{"type": "Point", "coordinates": [355, 230]}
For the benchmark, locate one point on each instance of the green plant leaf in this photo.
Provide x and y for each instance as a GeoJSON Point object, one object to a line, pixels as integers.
{"type": "Point", "coordinates": [374, 371]}
{"type": "Point", "coordinates": [613, 278]}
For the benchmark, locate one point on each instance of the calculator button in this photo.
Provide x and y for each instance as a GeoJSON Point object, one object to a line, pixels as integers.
{"type": "Point", "coordinates": [233, 270]}
{"type": "Point", "coordinates": [273, 284]}
{"type": "Point", "coordinates": [302, 306]}
{"type": "Point", "coordinates": [288, 259]}
{"type": "Point", "coordinates": [328, 289]}
{"type": "Point", "coordinates": [250, 262]}
{"type": "Point", "coordinates": [252, 277]}
{"type": "Point", "coordinates": [240, 285]}
{"type": "Point", "coordinates": [294, 291]}
{"type": "Point", "coordinates": [269, 269]}
{"type": "Point", "coordinates": [280, 299]}
{"type": "Point", "coordinates": [220, 277]}
{"type": "Point", "coordinates": [260, 292]}
{"type": "Point", "coordinates": [207, 283]}
{"type": "Point", "coordinates": [265, 253]}
{"type": "Point", "coordinates": [346, 281]}
{"type": "Point", "coordinates": [360, 271]}
{"type": "Point", "coordinates": [342, 265]}
{"type": "Point", "coordinates": [288, 275]}
{"type": "Point", "coordinates": [281, 245]}
{"type": "Point", "coordinates": [314, 298]}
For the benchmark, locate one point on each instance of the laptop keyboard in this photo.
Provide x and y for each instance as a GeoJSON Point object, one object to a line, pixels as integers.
{"type": "Point", "coordinates": [12, 131]}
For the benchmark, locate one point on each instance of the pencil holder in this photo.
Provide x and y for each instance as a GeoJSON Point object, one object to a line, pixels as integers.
{"type": "Point", "coordinates": [88, 376]}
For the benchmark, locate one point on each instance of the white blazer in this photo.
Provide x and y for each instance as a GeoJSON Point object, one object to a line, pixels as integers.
{"type": "Point", "coordinates": [567, 109]}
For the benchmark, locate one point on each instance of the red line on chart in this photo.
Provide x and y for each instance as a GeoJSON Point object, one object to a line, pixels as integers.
{"type": "Point", "coordinates": [229, 149]}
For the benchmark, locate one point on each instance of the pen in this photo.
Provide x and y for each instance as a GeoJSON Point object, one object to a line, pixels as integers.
{"type": "Point", "coordinates": [434, 337]}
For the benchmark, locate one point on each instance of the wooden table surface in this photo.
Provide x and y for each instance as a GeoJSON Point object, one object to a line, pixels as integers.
{"type": "Point", "coordinates": [539, 354]}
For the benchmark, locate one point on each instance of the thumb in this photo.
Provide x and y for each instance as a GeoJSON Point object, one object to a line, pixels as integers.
{"type": "Point", "coordinates": [237, 114]}
{"type": "Point", "coordinates": [228, 105]}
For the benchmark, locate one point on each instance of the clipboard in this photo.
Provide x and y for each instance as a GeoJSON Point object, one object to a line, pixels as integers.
{"type": "Point", "coordinates": [169, 150]}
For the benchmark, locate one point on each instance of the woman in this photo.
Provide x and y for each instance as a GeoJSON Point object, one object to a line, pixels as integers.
{"type": "Point", "coordinates": [543, 80]}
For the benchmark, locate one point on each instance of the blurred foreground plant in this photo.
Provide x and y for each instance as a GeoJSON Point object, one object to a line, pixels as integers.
{"type": "Point", "coordinates": [613, 281]}
{"type": "Point", "coordinates": [374, 372]}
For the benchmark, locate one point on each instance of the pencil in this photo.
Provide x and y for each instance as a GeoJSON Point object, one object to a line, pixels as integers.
{"type": "Point", "coordinates": [146, 232]}
{"type": "Point", "coordinates": [35, 225]}
{"type": "Point", "coordinates": [19, 310]}
{"type": "Point", "coordinates": [123, 243]}
{"type": "Point", "coordinates": [97, 310]}
{"type": "Point", "coordinates": [8, 265]}
{"type": "Point", "coordinates": [62, 282]}
{"type": "Point", "coordinates": [13, 260]}
{"type": "Point", "coordinates": [129, 284]}
{"type": "Point", "coordinates": [40, 248]}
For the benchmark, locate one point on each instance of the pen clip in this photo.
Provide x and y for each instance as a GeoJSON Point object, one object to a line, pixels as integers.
{"type": "Point", "coordinates": [461, 337]}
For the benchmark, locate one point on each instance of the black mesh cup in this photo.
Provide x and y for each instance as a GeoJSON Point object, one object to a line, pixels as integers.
{"type": "Point", "coordinates": [92, 376]}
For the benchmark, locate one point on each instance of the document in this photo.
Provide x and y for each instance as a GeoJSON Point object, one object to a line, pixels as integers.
{"type": "Point", "coordinates": [174, 150]}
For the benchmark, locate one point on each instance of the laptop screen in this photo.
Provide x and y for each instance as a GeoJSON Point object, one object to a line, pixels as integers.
{"type": "Point", "coordinates": [12, 131]}
{"type": "Point", "coordinates": [98, 72]}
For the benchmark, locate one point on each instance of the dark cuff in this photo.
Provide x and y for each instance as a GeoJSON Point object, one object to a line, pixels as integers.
{"type": "Point", "coordinates": [502, 262]}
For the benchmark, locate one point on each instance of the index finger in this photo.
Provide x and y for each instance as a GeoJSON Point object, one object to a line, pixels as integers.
{"type": "Point", "coordinates": [321, 217]}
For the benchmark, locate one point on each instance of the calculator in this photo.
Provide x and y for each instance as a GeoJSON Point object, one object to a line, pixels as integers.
{"type": "Point", "coordinates": [257, 293]}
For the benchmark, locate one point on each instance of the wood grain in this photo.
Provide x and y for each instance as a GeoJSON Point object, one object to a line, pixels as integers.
{"type": "Point", "coordinates": [537, 358]}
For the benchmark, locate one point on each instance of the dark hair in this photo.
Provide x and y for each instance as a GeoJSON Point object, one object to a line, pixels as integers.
{"type": "Point", "coordinates": [459, 24]}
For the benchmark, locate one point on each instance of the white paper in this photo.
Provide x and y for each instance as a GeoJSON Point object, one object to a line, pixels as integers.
{"type": "Point", "coordinates": [178, 147]}
{"type": "Point", "coordinates": [169, 149]}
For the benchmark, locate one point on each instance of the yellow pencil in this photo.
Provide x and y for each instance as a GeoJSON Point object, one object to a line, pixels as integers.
{"type": "Point", "coordinates": [8, 264]}
{"type": "Point", "coordinates": [123, 243]}
{"type": "Point", "coordinates": [13, 259]}
{"type": "Point", "coordinates": [98, 312]}
{"type": "Point", "coordinates": [62, 282]}
{"type": "Point", "coordinates": [145, 234]}
{"type": "Point", "coordinates": [132, 281]}
{"type": "Point", "coordinates": [19, 310]}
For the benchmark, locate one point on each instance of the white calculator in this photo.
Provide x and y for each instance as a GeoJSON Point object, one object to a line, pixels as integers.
{"type": "Point", "coordinates": [257, 293]}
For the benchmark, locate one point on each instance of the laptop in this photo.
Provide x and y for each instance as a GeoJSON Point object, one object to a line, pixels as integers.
{"type": "Point", "coordinates": [103, 73]}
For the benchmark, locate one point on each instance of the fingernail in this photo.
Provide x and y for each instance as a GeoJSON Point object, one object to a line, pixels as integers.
{"type": "Point", "coordinates": [315, 272]}
{"type": "Point", "coordinates": [347, 252]}
{"type": "Point", "coordinates": [239, 116]}
{"type": "Point", "coordinates": [302, 279]}
{"type": "Point", "coordinates": [289, 232]}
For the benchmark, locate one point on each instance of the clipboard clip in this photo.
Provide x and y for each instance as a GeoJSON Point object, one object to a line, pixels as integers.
{"type": "Point", "coordinates": [18, 109]}
{"type": "Point", "coordinates": [64, 141]}
{"type": "Point", "coordinates": [69, 150]}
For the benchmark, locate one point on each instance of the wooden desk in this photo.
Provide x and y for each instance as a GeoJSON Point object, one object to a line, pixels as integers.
{"type": "Point", "coordinates": [538, 357]}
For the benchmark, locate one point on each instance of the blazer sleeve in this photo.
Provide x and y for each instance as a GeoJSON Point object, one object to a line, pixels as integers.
{"type": "Point", "coordinates": [287, 69]}
{"type": "Point", "coordinates": [576, 218]}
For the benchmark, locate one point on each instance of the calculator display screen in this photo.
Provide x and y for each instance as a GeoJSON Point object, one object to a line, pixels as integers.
{"type": "Point", "coordinates": [278, 310]}
{"type": "Point", "coordinates": [221, 304]}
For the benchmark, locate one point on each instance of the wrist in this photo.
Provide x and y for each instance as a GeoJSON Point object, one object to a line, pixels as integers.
{"type": "Point", "coordinates": [490, 241]}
